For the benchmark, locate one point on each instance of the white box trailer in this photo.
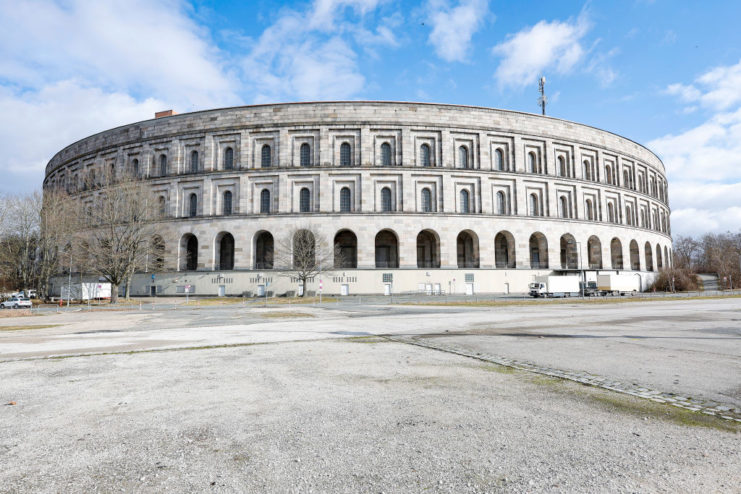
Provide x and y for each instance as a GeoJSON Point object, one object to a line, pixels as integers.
{"type": "Point", "coordinates": [555, 286]}
{"type": "Point", "coordinates": [87, 291]}
{"type": "Point", "coordinates": [618, 284]}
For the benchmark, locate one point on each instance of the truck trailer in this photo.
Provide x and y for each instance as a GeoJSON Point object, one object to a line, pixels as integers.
{"type": "Point", "coordinates": [555, 286]}
{"type": "Point", "coordinates": [618, 284]}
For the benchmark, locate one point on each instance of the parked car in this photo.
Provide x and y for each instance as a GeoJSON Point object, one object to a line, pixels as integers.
{"type": "Point", "coordinates": [16, 303]}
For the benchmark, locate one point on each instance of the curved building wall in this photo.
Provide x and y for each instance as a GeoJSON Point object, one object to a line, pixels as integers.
{"type": "Point", "coordinates": [501, 195]}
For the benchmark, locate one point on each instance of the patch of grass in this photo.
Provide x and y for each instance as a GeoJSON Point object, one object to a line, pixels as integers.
{"type": "Point", "coordinates": [501, 369]}
{"type": "Point", "coordinates": [285, 315]}
{"type": "Point", "coordinates": [569, 300]}
{"type": "Point", "coordinates": [28, 326]}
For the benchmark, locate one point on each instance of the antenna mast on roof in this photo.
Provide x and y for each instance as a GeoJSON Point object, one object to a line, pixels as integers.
{"type": "Point", "coordinates": [543, 100]}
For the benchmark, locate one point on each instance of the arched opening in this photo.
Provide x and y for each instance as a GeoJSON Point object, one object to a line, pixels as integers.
{"type": "Point", "coordinates": [345, 250]}
{"type": "Point", "coordinates": [463, 157]}
{"type": "Point", "coordinates": [228, 159]}
{"type": "Point", "coordinates": [594, 250]}
{"type": "Point", "coordinates": [345, 200]}
{"type": "Point", "coordinates": [610, 213]}
{"type": "Point", "coordinates": [616, 253]}
{"type": "Point", "coordinates": [538, 251]}
{"type": "Point", "coordinates": [188, 252]}
{"type": "Point", "coordinates": [387, 249]}
{"type": "Point", "coordinates": [426, 200]}
{"type": "Point", "coordinates": [264, 245]}
{"type": "Point", "coordinates": [386, 201]}
{"type": "Point", "coordinates": [563, 205]}
{"type": "Point", "coordinates": [531, 162]}
{"type": "Point", "coordinates": [561, 166]}
{"type": "Point", "coordinates": [227, 203]}
{"type": "Point", "coordinates": [304, 200]}
{"type": "Point", "coordinates": [465, 206]}
{"type": "Point", "coordinates": [135, 168]}
{"type": "Point", "coordinates": [162, 206]}
{"type": "Point", "coordinates": [265, 201]}
{"type": "Point", "coordinates": [467, 247]}
{"type": "Point", "coordinates": [659, 258]}
{"type": "Point", "coordinates": [588, 175]}
{"type": "Point", "coordinates": [501, 203]}
{"type": "Point", "coordinates": [266, 158]}
{"type": "Point", "coordinates": [163, 165]}
{"type": "Point", "coordinates": [504, 250]}
{"type": "Point", "coordinates": [225, 251]}
{"type": "Point", "coordinates": [193, 205]}
{"type": "Point", "coordinates": [590, 210]}
{"type": "Point", "coordinates": [304, 250]}
{"type": "Point", "coordinates": [608, 174]}
{"type": "Point", "coordinates": [667, 260]}
{"type": "Point", "coordinates": [428, 250]}
{"type": "Point", "coordinates": [635, 256]}
{"type": "Point", "coordinates": [158, 253]}
{"type": "Point", "coordinates": [305, 154]}
{"type": "Point", "coordinates": [345, 154]}
{"type": "Point", "coordinates": [385, 154]}
{"type": "Point", "coordinates": [194, 162]}
{"type": "Point", "coordinates": [649, 257]}
{"type": "Point", "coordinates": [534, 205]}
{"type": "Point", "coordinates": [569, 252]}
{"type": "Point", "coordinates": [499, 160]}
{"type": "Point", "coordinates": [424, 155]}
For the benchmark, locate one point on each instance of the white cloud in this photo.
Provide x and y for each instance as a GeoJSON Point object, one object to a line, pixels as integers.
{"type": "Point", "coordinates": [546, 45]}
{"type": "Point", "coordinates": [71, 68]}
{"type": "Point", "coordinates": [453, 27]}
{"type": "Point", "coordinates": [718, 89]}
{"type": "Point", "coordinates": [311, 55]}
{"type": "Point", "coordinates": [704, 162]}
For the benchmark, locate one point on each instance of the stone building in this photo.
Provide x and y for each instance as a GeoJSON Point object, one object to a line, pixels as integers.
{"type": "Point", "coordinates": [419, 197]}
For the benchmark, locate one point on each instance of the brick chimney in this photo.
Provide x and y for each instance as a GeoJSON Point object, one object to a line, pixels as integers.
{"type": "Point", "coordinates": [165, 113]}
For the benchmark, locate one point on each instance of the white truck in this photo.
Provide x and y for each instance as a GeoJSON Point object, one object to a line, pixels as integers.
{"type": "Point", "coordinates": [618, 284]}
{"type": "Point", "coordinates": [555, 286]}
{"type": "Point", "coordinates": [87, 291]}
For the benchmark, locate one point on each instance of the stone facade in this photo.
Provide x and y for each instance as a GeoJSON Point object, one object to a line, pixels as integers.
{"type": "Point", "coordinates": [501, 195]}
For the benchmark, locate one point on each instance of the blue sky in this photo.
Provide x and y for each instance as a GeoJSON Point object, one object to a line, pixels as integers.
{"type": "Point", "coordinates": [664, 73]}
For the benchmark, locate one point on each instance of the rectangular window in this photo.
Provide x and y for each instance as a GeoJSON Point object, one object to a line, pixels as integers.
{"type": "Point", "coordinates": [388, 277]}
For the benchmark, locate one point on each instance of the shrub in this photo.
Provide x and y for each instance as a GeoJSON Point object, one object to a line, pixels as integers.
{"type": "Point", "coordinates": [684, 280]}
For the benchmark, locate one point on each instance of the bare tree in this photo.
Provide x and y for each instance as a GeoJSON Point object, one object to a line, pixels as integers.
{"type": "Point", "coordinates": [118, 231]}
{"type": "Point", "coordinates": [303, 254]}
{"type": "Point", "coordinates": [686, 252]}
{"type": "Point", "coordinates": [59, 218]}
{"type": "Point", "coordinates": [19, 239]}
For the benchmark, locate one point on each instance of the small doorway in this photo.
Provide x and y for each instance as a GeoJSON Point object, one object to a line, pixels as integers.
{"type": "Point", "coordinates": [152, 291]}
{"type": "Point", "coordinates": [345, 290]}
{"type": "Point", "coordinates": [469, 288]}
{"type": "Point", "coordinates": [387, 289]}
{"type": "Point", "coordinates": [260, 290]}
{"type": "Point", "coordinates": [222, 290]}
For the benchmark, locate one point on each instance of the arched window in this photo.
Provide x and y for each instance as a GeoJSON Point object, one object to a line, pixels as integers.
{"type": "Point", "coordinates": [501, 204]}
{"type": "Point", "coordinates": [587, 170]}
{"type": "Point", "coordinates": [608, 174]}
{"type": "Point", "coordinates": [162, 206]}
{"type": "Point", "coordinates": [428, 250]}
{"type": "Point", "coordinates": [266, 159]}
{"type": "Point", "coordinates": [305, 154]}
{"type": "Point", "coordinates": [424, 155]}
{"type": "Point", "coordinates": [531, 162]}
{"type": "Point", "coordinates": [345, 200]}
{"type": "Point", "coordinates": [228, 159]}
{"type": "Point", "coordinates": [227, 203]}
{"type": "Point", "coordinates": [135, 167]}
{"type": "Point", "coordinates": [534, 209]}
{"type": "Point", "coordinates": [562, 166]}
{"type": "Point", "coordinates": [191, 253]}
{"type": "Point", "coordinates": [226, 252]}
{"type": "Point", "coordinates": [464, 199]}
{"type": "Point", "coordinates": [265, 201]}
{"type": "Point", "coordinates": [345, 154]}
{"type": "Point", "coordinates": [463, 157]}
{"type": "Point", "coordinates": [426, 200]}
{"type": "Point", "coordinates": [499, 160]}
{"type": "Point", "coordinates": [626, 179]}
{"type": "Point", "coordinates": [345, 249]}
{"type": "Point", "coordinates": [264, 251]}
{"type": "Point", "coordinates": [163, 165]}
{"type": "Point", "coordinates": [193, 205]}
{"type": "Point", "coordinates": [385, 154]}
{"type": "Point", "coordinates": [611, 213]}
{"type": "Point", "coordinates": [590, 210]}
{"type": "Point", "coordinates": [194, 162]}
{"type": "Point", "coordinates": [563, 205]}
{"type": "Point", "coordinates": [467, 247]}
{"type": "Point", "coordinates": [304, 200]}
{"type": "Point", "coordinates": [386, 204]}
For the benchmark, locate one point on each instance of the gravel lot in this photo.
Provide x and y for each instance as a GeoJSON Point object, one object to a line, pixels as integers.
{"type": "Point", "coordinates": [339, 416]}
